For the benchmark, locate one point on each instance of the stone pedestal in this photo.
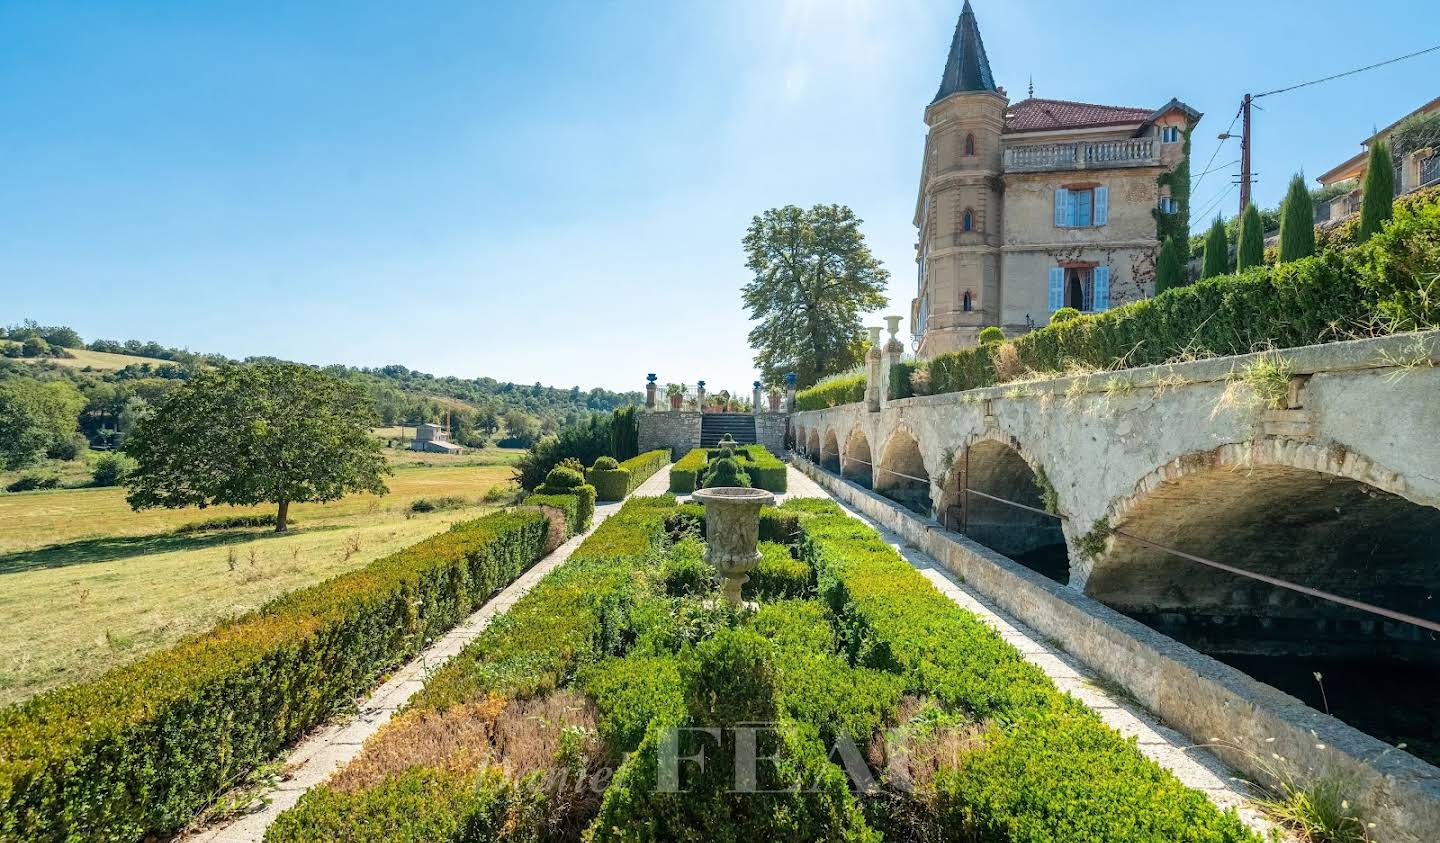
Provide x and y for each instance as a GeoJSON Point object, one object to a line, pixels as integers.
{"type": "Point", "coordinates": [650, 394]}
{"type": "Point", "coordinates": [732, 534]}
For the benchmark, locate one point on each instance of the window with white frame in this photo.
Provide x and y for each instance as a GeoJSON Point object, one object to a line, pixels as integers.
{"type": "Point", "coordinates": [1169, 134]}
{"type": "Point", "coordinates": [1081, 207]}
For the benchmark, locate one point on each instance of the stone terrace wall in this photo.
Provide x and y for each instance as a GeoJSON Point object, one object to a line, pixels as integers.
{"type": "Point", "coordinates": [678, 430]}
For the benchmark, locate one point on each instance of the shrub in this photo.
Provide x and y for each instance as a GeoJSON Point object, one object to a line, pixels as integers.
{"type": "Point", "coordinates": [584, 495]}
{"type": "Point", "coordinates": [111, 469]}
{"type": "Point", "coordinates": [685, 474]}
{"type": "Point", "coordinates": [583, 441]}
{"type": "Point", "coordinates": [900, 379]}
{"type": "Point", "coordinates": [620, 479]}
{"type": "Point", "coordinates": [991, 336]}
{"type": "Point", "coordinates": [1064, 314]}
{"type": "Point", "coordinates": [180, 725]}
{"type": "Point", "coordinates": [67, 447]}
{"type": "Point", "coordinates": [779, 575]}
{"type": "Point", "coordinates": [1399, 267]}
{"type": "Point", "coordinates": [1056, 771]}
{"type": "Point", "coordinates": [230, 522]}
{"type": "Point", "coordinates": [726, 472]}
{"type": "Point", "coordinates": [32, 482]}
{"type": "Point", "coordinates": [437, 504]}
{"type": "Point", "coordinates": [566, 504]}
{"type": "Point", "coordinates": [564, 477]}
{"type": "Point", "coordinates": [832, 392]}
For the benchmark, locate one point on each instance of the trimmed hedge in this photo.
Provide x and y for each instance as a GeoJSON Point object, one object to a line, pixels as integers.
{"type": "Point", "coordinates": [832, 393]}
{"type": "Point", "coordinates": [766, 471]}
{"type": "Point", "coordinates": [685, 473]}
{"type": "Point", "coordinates": [1381, 285]}
{"type": "Point", "coordinates": [615, 484]}
{"type": "Point", "coordinates": [141, 749]}
{"type": "Point", "coordinates": [568, 505]}
{"type": "Point", "coordinates": [584, 495]}
{"type": "Point", "coordinates": [1050, 768]}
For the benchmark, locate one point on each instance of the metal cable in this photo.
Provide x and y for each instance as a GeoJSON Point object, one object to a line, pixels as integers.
{"type": "Point", "coordinates": [1265, 578]}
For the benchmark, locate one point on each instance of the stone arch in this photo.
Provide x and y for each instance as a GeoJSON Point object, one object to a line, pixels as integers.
{"type": "Point", "coordinates": [996, 465]}
{"type": "Point", "coordinates": [1322, 517]}
{"type": "Point", "coordinates": [855, 460]}
{"type": "Point", "coordinates": [800, 438]}
{"type": "Point", "coordinates": [830, 451]}
{"type": "Point", "coordinates": [812, 445]}
{"type": "Point", "coordinates": [969, 143]}
{"type": "Point", "coordinates": [901, 474]}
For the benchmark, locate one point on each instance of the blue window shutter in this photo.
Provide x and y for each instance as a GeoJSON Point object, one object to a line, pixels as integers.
{"type": "Point", "coordinates": [1102, 205]}
{"type": "Point", "coordinates": [1102, 289]}
{"type": "Point", "coordinates": [1057, 288]}
{"type": "Point", "coordinates": [1062, 207]}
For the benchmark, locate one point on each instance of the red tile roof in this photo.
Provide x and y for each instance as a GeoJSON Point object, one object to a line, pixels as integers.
{"type": "Point", "coordinates": [1037, 115]}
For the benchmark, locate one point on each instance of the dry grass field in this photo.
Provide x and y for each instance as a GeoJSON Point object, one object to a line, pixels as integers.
{"type": "Point", "coordinates": [86, 584]}
{"type": "Point", "coordinates": [100, 361]}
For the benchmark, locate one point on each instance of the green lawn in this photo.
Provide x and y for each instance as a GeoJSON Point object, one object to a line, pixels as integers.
{"type": "Point", "coordinates": [85, 583]}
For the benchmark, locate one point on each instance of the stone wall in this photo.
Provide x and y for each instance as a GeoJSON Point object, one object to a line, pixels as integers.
{"type": "Point", "coordinates": [770, 431]}
{"type": "Point", "coordinates": [677, 430]}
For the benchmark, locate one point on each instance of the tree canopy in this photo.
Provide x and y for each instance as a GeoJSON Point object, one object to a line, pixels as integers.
{"type": "Point", "coordinates": [268, 433]}
{"type": "Point", "coordinates": [814, 277]}
{"type": "Point", "coordinates": [35, 415]}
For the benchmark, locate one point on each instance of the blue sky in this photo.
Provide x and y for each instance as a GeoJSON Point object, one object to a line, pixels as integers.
{"type": "Point", "coordinates": [557, 191]}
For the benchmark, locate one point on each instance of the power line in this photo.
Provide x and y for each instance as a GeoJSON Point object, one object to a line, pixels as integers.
{"type": "Point", "coordinates": [1349, 72]}
{"type": "Point", "coordinates": [1224, 136]}
{"type": "Point", "coordinates": [1213, 169]}
{"type": "Point", "coordinates": [1213, 205]}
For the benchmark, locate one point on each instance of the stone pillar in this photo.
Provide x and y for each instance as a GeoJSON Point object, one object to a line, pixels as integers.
{"type": "Point", "coordinates": [755, 402]}
{"type": "Point", "coordinates": [894, 351]}
{"type": "Point", "coordinates": [789, 392]}
{"type": "Point", "coordinates": [650, 393]}
{"type": "Point", "coordinates": [700, 396]}
{"type": "Point", "coordinates": [872, 372]}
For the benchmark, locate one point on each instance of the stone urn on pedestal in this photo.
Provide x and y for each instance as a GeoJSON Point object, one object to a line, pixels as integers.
{"type": "Point", "coordinates": [732, 534]}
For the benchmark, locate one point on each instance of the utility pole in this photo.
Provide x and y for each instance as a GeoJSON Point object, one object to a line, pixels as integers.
{"type": "Point", "coordinates": [1245, 156]}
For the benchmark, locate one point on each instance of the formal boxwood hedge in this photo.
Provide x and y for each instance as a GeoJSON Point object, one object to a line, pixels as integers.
{"type": "Point", "coordinates": [140, 750]}
{"type": "Point", "coordinates": [614, 484]}
{"type": "Point", "coordinates": [1385, 284]}
{"type": "Point", "coordinates": [834, 392]}
{"type": "Point", "coordinates": [1049, 768]}
{"type": "Point", "coordinates": [568, 505]}
{"type": "Point", "coordinates": [583, 493]}
{"type": "Point", "coordinates": [766, 471]}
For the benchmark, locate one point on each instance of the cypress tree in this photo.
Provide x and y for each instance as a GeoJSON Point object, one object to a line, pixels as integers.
{"type": "Point", "coordinates": [1252, 239]}
{"type": "Point", "coordinates": [1170, 266]}
{"type": "Point", "coordinates": [1378, 200]}
{"type": "Point", "coordinates": [1297, 222]}
{"type": "Point", "coordinates": [1217, 251]}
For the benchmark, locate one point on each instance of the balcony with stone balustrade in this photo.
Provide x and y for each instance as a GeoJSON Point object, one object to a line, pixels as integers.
{"type": "Point", "coordinates": [1082, 155]}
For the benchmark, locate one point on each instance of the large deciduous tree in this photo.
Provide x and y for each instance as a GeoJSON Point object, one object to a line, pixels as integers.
{"type": "Point", "coordinates": [1377, 203]}
{"type": "Point", "coordinates": [1251, 251]}
{"type": "Point", "coordinates": [1297, 222]}
{"type": "Point", "coordinates": [34, 416]}
{"type": "Point", "coordinates": [813, 278]}
{"type": "Point", "coordinates": [243, 435]}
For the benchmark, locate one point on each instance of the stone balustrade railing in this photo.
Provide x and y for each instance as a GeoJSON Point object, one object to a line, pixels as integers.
{"type": "Point", "coordinates": [1082, 155]}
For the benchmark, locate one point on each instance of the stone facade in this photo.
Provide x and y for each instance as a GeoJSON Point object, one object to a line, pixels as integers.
{"type": "Point", "coordinates": [1027, 207]}
{"type": "Point", "coordinates": [770, 431]}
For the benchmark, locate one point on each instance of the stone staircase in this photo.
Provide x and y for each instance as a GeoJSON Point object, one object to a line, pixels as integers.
{"type": "Point", "coordinates": [713, 426]}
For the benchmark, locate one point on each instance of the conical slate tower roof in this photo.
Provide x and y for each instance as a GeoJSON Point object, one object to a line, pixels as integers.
{"type": "Point", "coordinates": [967, 68]}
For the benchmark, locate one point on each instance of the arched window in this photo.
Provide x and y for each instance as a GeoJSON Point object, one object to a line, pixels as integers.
{"type": "Point", "coordinates": [967, 222]}
{"type": "Point", "coordinates": [970, 144]}
{"type": "Point", "coordinates": [967, 303]}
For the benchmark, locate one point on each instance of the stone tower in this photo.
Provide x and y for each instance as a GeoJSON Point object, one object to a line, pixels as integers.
{"type": "Point", "coordinates": [959, 209]}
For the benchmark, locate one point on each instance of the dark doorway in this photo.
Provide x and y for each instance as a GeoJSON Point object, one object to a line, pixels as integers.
{"type": "Point", "coordinates": [1074, 290]}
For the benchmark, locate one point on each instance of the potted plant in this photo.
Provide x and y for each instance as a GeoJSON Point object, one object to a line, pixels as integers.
{"type": "Point", "coordinates": [775, 397]}
{"type": "Point", "coordinates": [676, 393]}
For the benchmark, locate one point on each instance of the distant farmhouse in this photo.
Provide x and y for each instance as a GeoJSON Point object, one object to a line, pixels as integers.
{"type": "Point", "coordinates": [1031, 206]}
{"type": "Point", "coordinates": [1417, 164]}
{"type": "Point", "coordinates": [430, 437]}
